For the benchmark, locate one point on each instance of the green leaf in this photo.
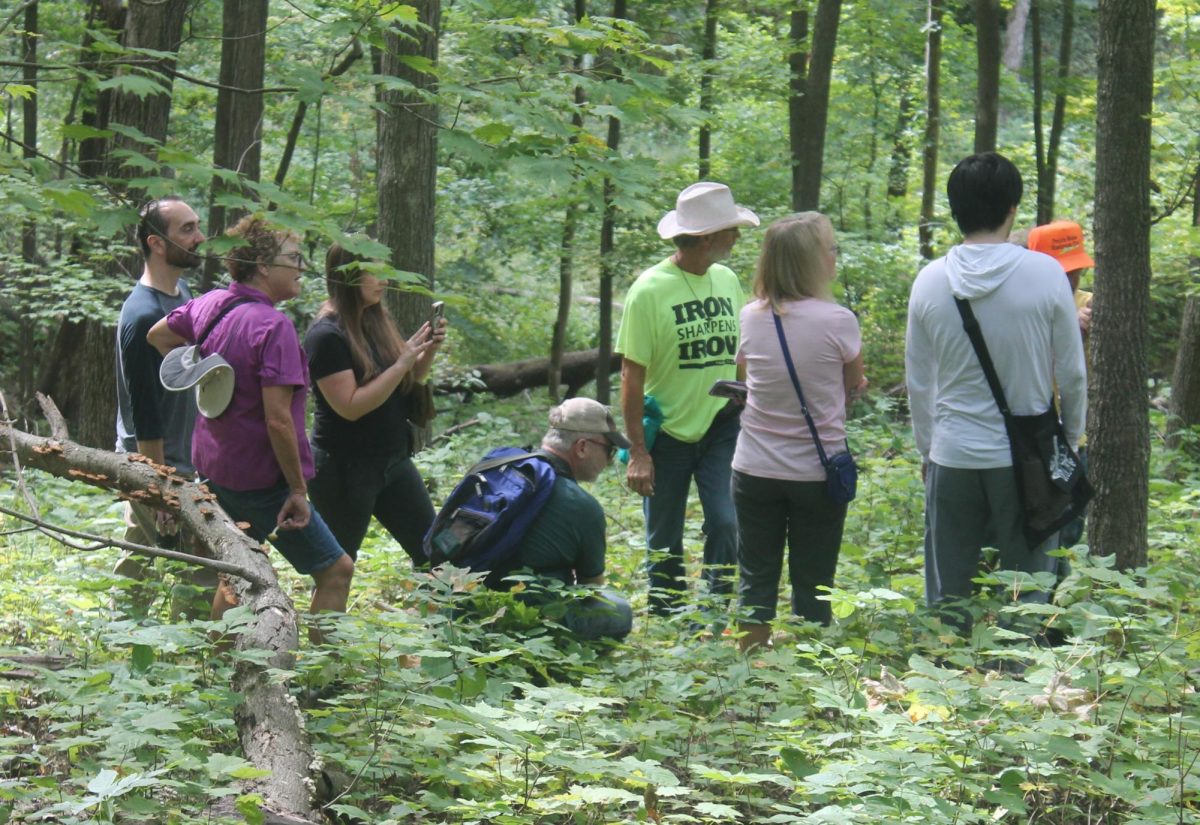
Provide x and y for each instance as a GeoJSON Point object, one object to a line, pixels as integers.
{"type": "Point", "coordinates": [250, 807]}
{"type": "Point", "coordinates": [161, 719]}
{"type": "Point", "coordinates": [135, 84]}
{"type": "Point", "coordinates": [142, 658]}
{"type": "Point", "coordinates": [19, 90]}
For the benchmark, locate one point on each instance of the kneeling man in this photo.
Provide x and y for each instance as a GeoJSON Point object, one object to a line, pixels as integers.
{"type": "Point", "coordinates": [567, 540]}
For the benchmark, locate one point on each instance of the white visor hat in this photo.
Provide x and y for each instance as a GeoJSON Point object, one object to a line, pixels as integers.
{"type": "Point", "coordinates": [183, 368]}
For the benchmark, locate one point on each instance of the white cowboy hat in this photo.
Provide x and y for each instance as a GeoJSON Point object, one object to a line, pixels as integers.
{"type": "Point", "coordinates": [704, 208]}
{"type": "Point", "coordinates": [183, 368]}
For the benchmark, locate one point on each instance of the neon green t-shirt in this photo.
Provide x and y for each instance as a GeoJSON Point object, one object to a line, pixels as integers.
{"type": "Point", "coordinates": [683, 329]}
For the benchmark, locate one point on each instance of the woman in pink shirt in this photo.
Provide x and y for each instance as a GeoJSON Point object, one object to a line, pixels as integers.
{"type": "Point", "coordinates": [778, 479]}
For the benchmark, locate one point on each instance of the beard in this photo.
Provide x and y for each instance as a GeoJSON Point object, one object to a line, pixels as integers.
{"type": "Point", "coordinates": [182, 258]}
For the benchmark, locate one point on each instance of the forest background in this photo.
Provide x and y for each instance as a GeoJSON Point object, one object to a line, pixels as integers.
{"type": "Point", "coordinates": [512, 158]}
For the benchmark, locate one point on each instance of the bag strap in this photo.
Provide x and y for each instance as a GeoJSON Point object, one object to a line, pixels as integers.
{"type": "Point", "coordinates": [971, 326]}
{"type": "Point", "coordinates": [493, 463]}
{"type": "Point", "coordinates": [791, 368]}
{"type": "Point", "coordinates": [224, 311]}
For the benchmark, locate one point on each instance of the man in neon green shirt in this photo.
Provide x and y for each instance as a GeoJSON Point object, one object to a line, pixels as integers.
{"type": "Point", "coordinates": [679, 334]}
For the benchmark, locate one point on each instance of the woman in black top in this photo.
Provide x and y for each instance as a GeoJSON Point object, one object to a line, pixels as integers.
{"type": "Point", "coordinates": [366, 380]}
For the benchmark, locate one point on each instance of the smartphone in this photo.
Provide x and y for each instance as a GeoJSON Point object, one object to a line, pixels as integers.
{"type": "Point", "coordinates": [437, 312]}
{"type": "Point", "coordinates": [729, 389]}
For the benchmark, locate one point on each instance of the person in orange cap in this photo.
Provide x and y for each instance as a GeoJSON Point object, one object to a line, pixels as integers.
{"type": "Point", "coordinates": [1063, 241]}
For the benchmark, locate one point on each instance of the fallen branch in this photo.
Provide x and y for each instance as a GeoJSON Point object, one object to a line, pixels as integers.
{"type": "Point", "coordinates": [457, 428]}
{"type": "Point", "coordinates": [270, 726]}
{"type": "Point", "coordinates": [578, 368]}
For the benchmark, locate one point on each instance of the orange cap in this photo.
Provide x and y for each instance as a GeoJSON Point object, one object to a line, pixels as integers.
{"type": "Point", "coordinates": [1062, 241]}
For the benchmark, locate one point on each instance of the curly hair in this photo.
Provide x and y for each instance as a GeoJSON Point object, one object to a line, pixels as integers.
{"type": "Point", "coordinates": [261, 242]}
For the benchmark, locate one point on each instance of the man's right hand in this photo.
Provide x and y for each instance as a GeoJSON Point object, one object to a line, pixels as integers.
{"type": "Point", "coordinates": [640, 475]}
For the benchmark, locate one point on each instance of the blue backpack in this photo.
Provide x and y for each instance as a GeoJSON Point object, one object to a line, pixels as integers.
{"type": "Point", "coordinates": [489, 511]}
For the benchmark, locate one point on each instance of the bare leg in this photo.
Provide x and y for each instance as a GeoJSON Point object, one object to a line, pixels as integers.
{"type": "Point", "coordinates": [331, 593]}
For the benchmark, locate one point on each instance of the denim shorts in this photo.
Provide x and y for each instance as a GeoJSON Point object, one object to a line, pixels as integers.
{"type": "Point", "coordinates": [309, 550]}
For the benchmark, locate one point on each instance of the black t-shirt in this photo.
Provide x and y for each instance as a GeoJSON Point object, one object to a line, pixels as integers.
{"type": "Point", "coordinates": [384, 430]}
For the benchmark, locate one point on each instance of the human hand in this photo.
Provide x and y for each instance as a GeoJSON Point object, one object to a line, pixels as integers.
{"type": "Point", "coordinates": [416, 346]}
{"type": "Point", "coordinates": [640, 474]}
{"type": "Point", "coordinates": [1085, 317]}
{"type": "Point", "coordinates": [294, 515]}
{"type": "Point", "coordinates": [860, 390]}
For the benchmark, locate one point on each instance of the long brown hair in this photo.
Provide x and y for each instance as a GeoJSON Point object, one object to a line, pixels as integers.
{"type": "Point", "coordinates": [364, 325]}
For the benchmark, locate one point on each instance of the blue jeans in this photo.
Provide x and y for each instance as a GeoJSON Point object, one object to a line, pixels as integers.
{"type": "Point", "coordinates": [602, 616]}
{"type": "Point", "coordinates": [676, 463]}
{"type": "Point", "coordinates": [309, 550]}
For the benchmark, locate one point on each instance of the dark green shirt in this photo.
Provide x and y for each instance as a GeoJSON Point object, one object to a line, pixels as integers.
{"type": "Point", "coordinates": [567, 539]}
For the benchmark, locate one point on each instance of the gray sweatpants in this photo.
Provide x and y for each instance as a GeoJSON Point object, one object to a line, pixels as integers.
{"type": "Point", "coordinates": [965, 511]}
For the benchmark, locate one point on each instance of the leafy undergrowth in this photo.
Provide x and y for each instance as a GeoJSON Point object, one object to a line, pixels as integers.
{"type": "Point", "coordinates": [421, 714]}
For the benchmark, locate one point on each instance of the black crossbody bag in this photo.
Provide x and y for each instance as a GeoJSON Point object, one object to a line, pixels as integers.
{"type": "Point", "coordinates": [841, 473]}
{"type": "Point", "coordinates": [1051, 483]}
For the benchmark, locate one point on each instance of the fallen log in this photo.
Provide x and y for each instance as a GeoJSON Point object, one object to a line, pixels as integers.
{"type": "Point", "coordinates": [270, 726]}
{"type": "Point", "coordinates": [578, 368]}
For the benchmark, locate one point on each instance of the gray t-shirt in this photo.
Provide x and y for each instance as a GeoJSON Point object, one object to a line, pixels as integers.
{"type": "Point", "coordinates": [144, 408]}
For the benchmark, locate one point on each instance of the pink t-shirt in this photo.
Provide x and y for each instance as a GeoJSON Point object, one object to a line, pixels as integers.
{"type": "Point", "coordinates": [775, 441]}
{"type": "Point", "coordinates": [261, 344]}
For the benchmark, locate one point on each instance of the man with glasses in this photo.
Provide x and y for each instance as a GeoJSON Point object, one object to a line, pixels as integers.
{"type": "Point", "coordinates": [151, 421]}
{"type": "Point", "coordinates": [566, 542]}
{"type": "Point", "coordinates": [679, 334]}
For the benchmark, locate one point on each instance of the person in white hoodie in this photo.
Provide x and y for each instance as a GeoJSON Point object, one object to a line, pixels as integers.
{"type": "Point", "coordinates": [1028, 321]}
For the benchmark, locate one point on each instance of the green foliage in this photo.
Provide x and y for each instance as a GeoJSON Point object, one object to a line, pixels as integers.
{"type": "Point", "coordinates": [492, 713]}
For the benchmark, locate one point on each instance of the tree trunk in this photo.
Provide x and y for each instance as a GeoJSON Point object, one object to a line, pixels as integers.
{"type": "Point", "coordinates": [1185, 383]}
{"type": "Point", "coordinates": [1014, 35]}
{"type": "Point", "coordinates": [607, 230]}
{"type": "Point", "coordinates": [237, 134]}
{"type": "Point", "coordinates": [797, 87]}
{"type": "Point", "coordinates": [816, 104]}
{"type": "Point", "coordinates": [1058, 120]}
{"type": "Point", "coordinates": [1039, 137]}
{"type": "Point", "coordinates": [510, 378]}
{"type": "Point", "coordinates": [270, 727]}
{"type": "Point", "coordinates": [929, 151]}
{"type": "Point", "coordinates": [406, 183]}
{"type": "Point", "coordinates": [94, 111]}
{"type": "Point", "coordinates": [709, 58]}
{"type": "Point", "coordinates": [1118, 426]}
{"type": "Point", "coordinates": [29, 233]}
{"type": "Point", "coordinates": [157, 26]}
{"type": "Point", "coordinates": [78, 371]}
{"type": "Point", "coordinates": [566, 250]}
{"type": "Point", "coordinates": [987, 74]}
{"type": "Point", "coordinates": [897, 186]}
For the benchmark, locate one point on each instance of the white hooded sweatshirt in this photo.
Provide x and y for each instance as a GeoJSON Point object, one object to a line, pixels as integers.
{"type": "Point", "coordinates": [1026, 314]}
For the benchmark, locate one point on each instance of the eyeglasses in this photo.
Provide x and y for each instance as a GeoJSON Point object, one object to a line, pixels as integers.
{"type": "Point", "coordinates": [609, 448]}
{"type": "Point", "coordinates": [296, 258]}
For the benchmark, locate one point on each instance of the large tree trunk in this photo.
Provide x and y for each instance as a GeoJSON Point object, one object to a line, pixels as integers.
{"type": "Point", "coordinates": [237, 134]}
{"type": "Point", "coordinates": [1039, 135]}
{"type": "Point", "coordinates": [270, 727]}
{"type": "Point", "coordinates": [157, 26]}
{"type": "Point", "coordinates": [1118, 426]}
{"type": "Point", "coordinates": [987, 74]}
{"type": "Point", "coordinates": [897, 181]}
{"type": "Point", "coordinates": [929, 150]}
{"type": "Point", "coordinates": [95, 107]}
{"type": "Point", "coordinates": [77, 370]}
{"type": "Point", "coordinates": [406, 183]}
{"type": "Point", "coordinates": [607, 230]}
{"type": "Point", "coordinates": [816, 105]}
{"type": "Point", "coordinates": [709, 56]}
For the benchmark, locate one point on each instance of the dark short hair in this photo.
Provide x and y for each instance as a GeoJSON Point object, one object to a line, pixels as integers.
{"type": "Point", "coordinates": [151, 221]}
{"type": "Point", "coordinates": [982, 189]}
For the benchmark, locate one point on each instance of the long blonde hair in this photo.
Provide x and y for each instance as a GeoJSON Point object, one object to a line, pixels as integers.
{"type": "Point", "coordinates": [364, 325]}
{"type": "Point", "coordinates": [794, 262]}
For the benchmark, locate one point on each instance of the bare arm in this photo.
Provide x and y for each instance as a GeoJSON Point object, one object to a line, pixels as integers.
{"type": "Point", "coordinates": [854, 379]}
{"type": "Point", "coordinates": [352, 401]}
{"type": "Point", "coordinates": [163, 339]}
{"type": "Point", "coordinates": [640, 475]}
{"type": "Point", "coordinates": [277, 403]}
